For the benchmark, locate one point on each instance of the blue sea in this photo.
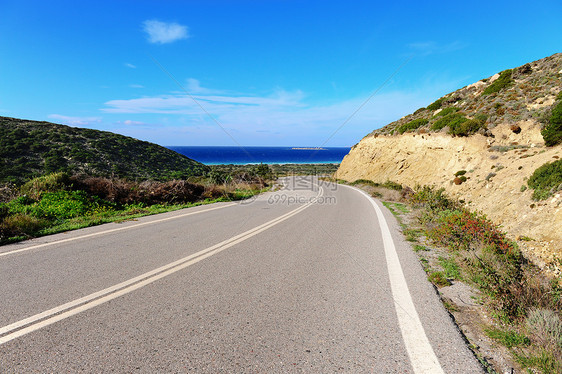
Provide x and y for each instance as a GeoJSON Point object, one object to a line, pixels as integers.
{"type": "Point", "coordinates": [266, 155]}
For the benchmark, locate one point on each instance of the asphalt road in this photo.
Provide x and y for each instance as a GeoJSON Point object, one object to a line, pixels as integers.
{"type": "Point", "coordinates": [311, 278]}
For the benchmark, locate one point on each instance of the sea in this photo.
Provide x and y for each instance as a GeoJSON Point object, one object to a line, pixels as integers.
{"type": "Point", "coordinates": [216, 155]}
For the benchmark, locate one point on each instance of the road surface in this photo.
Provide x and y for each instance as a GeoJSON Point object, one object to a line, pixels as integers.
{"type": "Point", "coordinates": [311, 278]}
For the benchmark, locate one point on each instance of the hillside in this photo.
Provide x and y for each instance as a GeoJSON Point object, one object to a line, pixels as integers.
{"type": "Point", "coordinates": [30, 148]}
{"type": "Point", "coordinates": [487, 162]}
{"type": "Point", "coordinates": [511, 96]}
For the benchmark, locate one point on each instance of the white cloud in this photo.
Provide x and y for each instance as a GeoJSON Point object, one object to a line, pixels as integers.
{"type": "Point", "coordinates": [193, 86]}
{"type": "Point", "coordinates": [129, 122]}
{"type": "Point", "coordinates": [269, 119]}
{"type": "Point", "coordinates": [164, 32]}
{"type": "Point", "coordinates": [136, 86]}
{"type": "Point", "coordinates": [130, 65]}
{"type": "Point", "coordinates": [75, 121]}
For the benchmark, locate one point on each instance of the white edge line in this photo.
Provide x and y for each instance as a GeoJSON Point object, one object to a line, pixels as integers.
{"type": "Point", "coordinates": [422, 356]}
{"type": "Point", "coordinates": [110, 231]}
{"type": "Point", "coordinates": [97, 298]}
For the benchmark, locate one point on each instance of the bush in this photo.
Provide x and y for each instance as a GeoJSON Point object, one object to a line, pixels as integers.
{"type": "Point", "coordinates": [48, 183]}
{"type": "Point", "coordinates": [546, 179]}
{"type": "Point", "coordinates": [492, 262]}
{"type": "Point", "coordinates": [552, 133]}
{"type": "Point", "coordinates": [436, 104]}
{"type": "Point", "coordinates": [20, 225]}
{"type": "Point", "coordinates": [546, 327]}
{"type": "Point", "coordinates": [465, 128]}
{"type": "Point", "coordinates": [432, 199]}
{"type": "Point", "coordinates": [503, 81]}
{"type": "Point", "coordinates": [452, 120]}
{"type": "Point", "coordinates": [448, 110]}
{"type": "Point", "coordinates": [412, 125]}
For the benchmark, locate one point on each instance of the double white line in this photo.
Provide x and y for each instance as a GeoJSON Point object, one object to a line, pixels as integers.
{"type": "Point", "coordinates": [46, 318]}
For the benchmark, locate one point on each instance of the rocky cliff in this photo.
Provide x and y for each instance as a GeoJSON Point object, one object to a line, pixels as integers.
{"type": "Point", "coordinates": [485, 163]}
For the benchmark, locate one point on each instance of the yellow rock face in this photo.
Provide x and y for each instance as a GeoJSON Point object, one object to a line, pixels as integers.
{"type": "Point", "coordinates": [496, 167]}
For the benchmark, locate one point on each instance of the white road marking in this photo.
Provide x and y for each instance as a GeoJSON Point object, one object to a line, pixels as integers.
{"type": "Point", "coordinates": [422, 356]}
{"type": "Point", "coordinates": [69, 309]}
{"type": "Point", "coordinates": [110, 231]}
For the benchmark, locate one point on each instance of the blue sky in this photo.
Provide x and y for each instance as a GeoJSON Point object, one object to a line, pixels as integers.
{"type": "Point", "coordinates": [255, 72]}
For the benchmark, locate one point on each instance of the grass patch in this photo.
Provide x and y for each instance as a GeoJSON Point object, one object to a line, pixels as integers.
{"type": "Point", "coordinates": [420, 248]}
{"type": "Point", "coordinates": [439, 279]}
{"type": "Point", "coordinates": [450, 268]}
{"type": "Point", "coordinates": [412, 235]}
{"type": "Point", "coordinates": [507, 338]}
{"type": "Point", "coordinates": [545, 361]}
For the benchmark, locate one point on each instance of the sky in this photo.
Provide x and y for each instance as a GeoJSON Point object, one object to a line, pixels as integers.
{"type": "Point", "coordinates": [255, 72]}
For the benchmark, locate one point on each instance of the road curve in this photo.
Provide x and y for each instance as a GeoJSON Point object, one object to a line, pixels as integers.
{"type": "Point", "coordinates": [311, 278]}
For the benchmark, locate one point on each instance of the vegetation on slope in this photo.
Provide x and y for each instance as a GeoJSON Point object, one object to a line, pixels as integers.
{"type": "Point", "coordinates": [29, 149]}
{"type": "Point", "coordinates": [503, 81]}
{"type": "Point", "coordinates": [412, 125]}
{"type": "Point", "coordinates": [552, 132]}
{"type": "Point", "coordinates": [514, 95]}
{"type": "Point", "coordinates": [58, 202]}
{"type": "Point", "coordinates": [524, 304]}
{"type": "Point", "coordinates": [546, 180]}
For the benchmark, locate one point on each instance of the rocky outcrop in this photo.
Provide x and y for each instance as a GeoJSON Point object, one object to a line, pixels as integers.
{"type": "Point", "coordinates": [497, 167]}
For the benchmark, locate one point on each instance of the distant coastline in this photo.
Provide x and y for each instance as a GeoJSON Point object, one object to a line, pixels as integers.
{"type": "Point", "coordinates": [226, 155]}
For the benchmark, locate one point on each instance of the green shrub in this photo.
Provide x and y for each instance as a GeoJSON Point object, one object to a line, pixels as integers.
{"type": "Point", "coordinates": [448, 110]}
{"type": "Point", "coordinates": [388, 184]}
{"type": "Point", "coordinates": [552, 133]}
{"type": "Point", "coordinates": [432, 199]}
{"type": "Point", "coordinates": [436, 104]}
{"type": "Point", "coordinates": [481, 117]}
{"type": "Point", "coordinates": [48, 183]}
{"type": "Point", "coordinates": [412, 125]}
{"type": "Point", "coordinates": [460, 172]}
{"type": "Point", "coordinates": [465, 128]}
{"type": "Point", "coordinates": [503, 81]}
{"type": "Point", "coordinates": [546, 179]}
{"type": "Point", "coordinates": [452, 120]}
{"type": "Point", "coordinates": [392, 185]}
{"type": "Point", "coordinates": [450, 267]}
{"type": "Point", "coordinates": [20, 225]}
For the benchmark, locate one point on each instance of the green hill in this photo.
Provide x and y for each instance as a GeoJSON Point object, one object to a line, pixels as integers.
{"type": "Point", "coordinates": [31, 148]}
{"type": "Point", "coordinates": [528, 92]}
